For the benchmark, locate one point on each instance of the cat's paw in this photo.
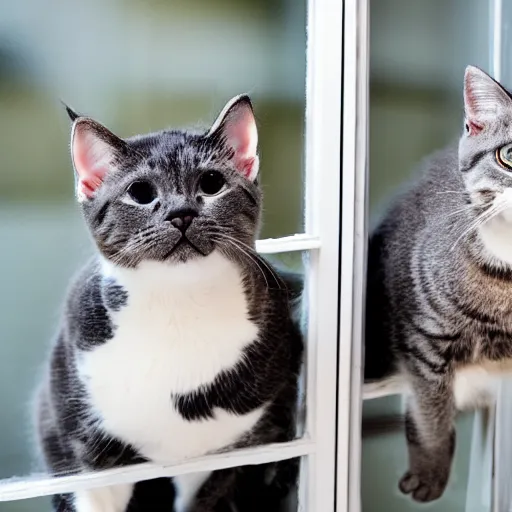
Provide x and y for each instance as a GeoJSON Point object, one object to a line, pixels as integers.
{"type": "Point", "coordinates": [423, 488]}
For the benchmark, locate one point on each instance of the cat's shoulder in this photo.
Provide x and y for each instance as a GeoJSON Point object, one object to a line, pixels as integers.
{"type": "Point", "coordinates": [86, 280]}
{"type": "Point", "coordinates": [91, 299]}
{"type": "Point", "coordinates": [441, 167]}
{"type": "Point", "coordinates": [91, 282]}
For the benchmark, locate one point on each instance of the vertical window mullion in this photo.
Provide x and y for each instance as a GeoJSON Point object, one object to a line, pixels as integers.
{"type": "Point", "coordinates": [323, 140]}
{"type": "Point", "coordinates": [353, 252]}
{"type": "Point", "coordinates": [497, 37]}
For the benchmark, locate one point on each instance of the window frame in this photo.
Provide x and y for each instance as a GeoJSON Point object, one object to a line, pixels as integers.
{"type": "Point", "coordinates": [321, 239]}
{"type": "Point", "coordinates": [353, 252]}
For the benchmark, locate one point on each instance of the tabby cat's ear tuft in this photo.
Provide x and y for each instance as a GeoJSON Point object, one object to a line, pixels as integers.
{"type": "Point", "coordinates": [484, 100]}
{"type": "Point", "coordinates": [93, 149]}
{"type": "Point", "coordinates": [73, 116]}
{"type": "Point", "coordinates": [236, 127]}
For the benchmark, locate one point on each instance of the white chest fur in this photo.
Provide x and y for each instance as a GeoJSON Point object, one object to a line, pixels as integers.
{"type": "Point", "coordinates": [181, 326]}
{"type": "Point", "coordinates": [495, 235]}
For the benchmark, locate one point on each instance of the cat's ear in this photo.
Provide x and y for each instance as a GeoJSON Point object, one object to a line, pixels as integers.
{"type": "Point", "coordinates": [484, 98]}
{"type": "Point", "coordinates": [93, 149]}
{"type": "Point", "coordinates": [236, 128]}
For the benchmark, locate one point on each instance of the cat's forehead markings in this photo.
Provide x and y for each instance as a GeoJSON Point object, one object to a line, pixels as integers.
{"type": "Point", "coordinates": [159, 152]}
{"type": "Point", "coordinates": [207, 160]}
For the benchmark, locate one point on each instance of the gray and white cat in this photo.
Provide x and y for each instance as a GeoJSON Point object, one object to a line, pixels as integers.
{"type": "Point", "coordinates": [177, 340]}
{"type": "Point", "coordinates": [440, 283]}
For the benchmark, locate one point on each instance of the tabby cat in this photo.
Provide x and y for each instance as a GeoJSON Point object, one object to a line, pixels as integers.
{"type": "Point", "coordinates": [439, 301]}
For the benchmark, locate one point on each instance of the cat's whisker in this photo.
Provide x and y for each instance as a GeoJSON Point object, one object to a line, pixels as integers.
{"type": "Point", "coordinates": [484, 217]}
{"type": "Point", "coordinates": [254, 260]}
{"type": "Point", "coordinates": [104, 449]}
{"type": "Point", "coordinates": [472, 226]}
{"type": "Point", "coordinates": [261, 260]}
{"type": "Point", "coordinates": [252, 257]}
{"type": "Point", "coordinates": [461, 210]}
{"type": "Point", "coordinates": [133, 246]}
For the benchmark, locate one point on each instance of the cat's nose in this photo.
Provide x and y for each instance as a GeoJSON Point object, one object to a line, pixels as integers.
{"type": "Point", "coordinates": [181, 220]}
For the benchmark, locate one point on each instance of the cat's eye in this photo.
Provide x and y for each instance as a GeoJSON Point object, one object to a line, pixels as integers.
{"type": "Point", "coordinates": [504, 156]}
{"type": "Point", "coordinates": [211, 182]}
{"type": "Point", "coordinates": [142, 192]}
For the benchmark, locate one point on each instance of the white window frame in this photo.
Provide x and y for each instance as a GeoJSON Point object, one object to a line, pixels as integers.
{"type": "Point", "coordinates": [325, 380]}
{"type": "Point", "coordinates": [353, 252]}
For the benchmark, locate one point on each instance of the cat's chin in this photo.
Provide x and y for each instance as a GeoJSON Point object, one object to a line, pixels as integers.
{"type": "Point", "coordinates": [185, 250]}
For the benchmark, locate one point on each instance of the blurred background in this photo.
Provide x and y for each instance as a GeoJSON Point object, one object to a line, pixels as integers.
{"type": "Point", "coordinates": [418, 52]}
{"type": "Point", "coordinates": [136, 66]}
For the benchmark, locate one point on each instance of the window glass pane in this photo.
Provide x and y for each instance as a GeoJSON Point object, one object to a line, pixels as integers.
{"type": "Point", "coordinates": [135, 66]}
{"type": "Point", "coordinates": [419, 51]}
{"type": "Point", "coordinates": [416, 73]}
{"type": "Point", "coordinates": [33, 505]}
{"type": "Point", "coordinates": [384, 447]}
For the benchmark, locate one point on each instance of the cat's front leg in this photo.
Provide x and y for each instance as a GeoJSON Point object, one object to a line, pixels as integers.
{"type": "Point", "coordinates": [430, 432]}
{"type": "Point", "coordinates": [265, 487]}
{"type": "Point", "coordinates": [214, 495]}
{"type": "Point", "coordinates": [103, 499]}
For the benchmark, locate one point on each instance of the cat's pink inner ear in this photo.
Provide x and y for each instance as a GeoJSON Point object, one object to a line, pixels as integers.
{"type": "Point", "coordinates": [474, 125]}
{"type": "Point", "coordinates": [91, 158]}
{"type": "Point", "coordinates": [242, 135]}
{"type": "Point", "coordinates": [473, 128]}
{"type": "Point", "coordinates": [239, 131]}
